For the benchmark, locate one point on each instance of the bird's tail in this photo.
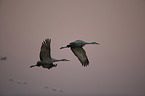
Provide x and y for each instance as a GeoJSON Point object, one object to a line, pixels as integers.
{"type": "Point", "coordinates": [54, 65]}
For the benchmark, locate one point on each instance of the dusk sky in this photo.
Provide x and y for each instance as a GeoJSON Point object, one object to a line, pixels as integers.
{"type": "Point", "coordinates": [117, 65]}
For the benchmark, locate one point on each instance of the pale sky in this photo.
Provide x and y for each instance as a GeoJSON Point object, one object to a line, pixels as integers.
{"type": "Point", "coordinates": [117, 65]}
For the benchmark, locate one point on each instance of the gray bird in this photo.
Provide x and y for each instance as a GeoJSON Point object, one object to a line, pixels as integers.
{"type": "Point", "coordinates": [45, 56]}
{"type": "Point", "coordinates": [3, 58]}
{"type": "Point", "coordinates": [77, 49]}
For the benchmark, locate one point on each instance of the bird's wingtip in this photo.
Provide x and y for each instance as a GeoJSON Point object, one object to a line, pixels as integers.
{"type": "Point", "coordinates": [85, 64]}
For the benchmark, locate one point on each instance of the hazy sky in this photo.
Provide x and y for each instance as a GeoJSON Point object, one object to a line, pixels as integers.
{"type": "Point", "coordinates": [117, 66]}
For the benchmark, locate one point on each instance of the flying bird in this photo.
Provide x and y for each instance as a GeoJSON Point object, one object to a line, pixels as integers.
{"type": "Point", "coordinates": [79, 52]}
{"type": "Point", "coordinates": [3, 58]}
{"type": "Point", "coordinates": [45, 56]}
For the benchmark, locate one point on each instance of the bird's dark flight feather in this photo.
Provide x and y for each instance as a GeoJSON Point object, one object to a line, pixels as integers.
{"type": "Point", "coordinates": [81, 55]}
{"type": "Point", "coordinates": [45, 52]}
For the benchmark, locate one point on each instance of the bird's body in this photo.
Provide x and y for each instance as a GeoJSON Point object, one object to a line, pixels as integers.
{"type": "Point", "coordinates": [45, 64]}
{"type": "Point", "coordinates": [79, 52]}
{"type": "Point", "coordinates": [45, 56]}
{"type": "Point", "coordinates": [78, 43]}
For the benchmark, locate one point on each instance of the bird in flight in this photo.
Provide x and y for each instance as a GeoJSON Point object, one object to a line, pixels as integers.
{"type": "Point", "coordinates": [45, 56]}
{"type": "Point", "coordinates": [79, 52]}
{"type": "Point", "coordinates": [3, 58]}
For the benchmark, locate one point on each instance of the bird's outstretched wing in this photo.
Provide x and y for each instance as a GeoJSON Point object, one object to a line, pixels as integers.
{"type": "Point", "coordinates": [81, 55]}
{"type": "Point", "coordinates": [45, 52]}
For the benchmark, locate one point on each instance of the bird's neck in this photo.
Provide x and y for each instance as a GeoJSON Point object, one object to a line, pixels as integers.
{"type": "Point", "coordinates": [92, 43]}
{"type": "Point", "coordinates": [89, 43]}
{"type": "Point", "coordinates": [58, 60]}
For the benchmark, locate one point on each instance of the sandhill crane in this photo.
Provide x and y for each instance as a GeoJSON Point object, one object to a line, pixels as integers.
{"type": "Point", "coordinates": [77, 49]}
{"type": "Point", "coordinates": [45, 56]}
{"type": "Point", "coordinates": [3, 58]}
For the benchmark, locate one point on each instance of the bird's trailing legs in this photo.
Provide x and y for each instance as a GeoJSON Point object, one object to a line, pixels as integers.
{"type": "Point", "coordinates": [32, 66]}
{"type": "Point", "coordinates": [63, 47]}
